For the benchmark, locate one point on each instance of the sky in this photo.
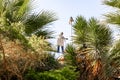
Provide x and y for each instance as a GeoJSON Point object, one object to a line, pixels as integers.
{"type": "Point", "coordinates": [64, 9]}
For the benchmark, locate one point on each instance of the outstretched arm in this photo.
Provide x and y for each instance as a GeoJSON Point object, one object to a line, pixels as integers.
{"type": "Point", "coordinates": [64, 38]}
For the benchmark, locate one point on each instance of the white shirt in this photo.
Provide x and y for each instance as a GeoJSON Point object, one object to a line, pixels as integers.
{"type": "Point", "coordinates": [60, 40]}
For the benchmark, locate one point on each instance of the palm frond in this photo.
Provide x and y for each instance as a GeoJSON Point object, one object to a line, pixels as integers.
{"type": "Point", "coordinates": [100, 35]}
{"type": "Point", "coordinates": [23, 7]}
{"type": "Point", "coordinates": [113, 18]}
{"type": "Point", "coordinates": [46, 33]}
{"type": "Point", "coordinates": [15, 9]}
{"type": "Point", "coordinates": [71, 55]}
{"type": "Point", "coordinates": [112, 3]}
{"type": "Point", "coordinates": [1, 6]}
{"type": "Point", "coordinates": [114, 56]}
{"type": "Point", "coordinates": [39, 21]}
{"type": "Point", "coordinates": [115, 51]}
{"type": "Point", "coordinates": [80, 28]}
{"type": "Point", "coordinates": [112, 61]}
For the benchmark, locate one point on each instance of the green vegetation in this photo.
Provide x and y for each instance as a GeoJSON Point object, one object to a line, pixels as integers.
{"type": "Point", "coordinates": [65, 73]}
{"type": "Point", "coordinates": [25, 52]}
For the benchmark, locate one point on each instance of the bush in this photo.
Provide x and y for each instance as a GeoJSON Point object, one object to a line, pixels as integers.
{"type": "Point", "coordinates": [48, 63]}
{"type": "Point", "coordinates": [68, 72]}
{"type": "Point", "coordinates": [65, 73]}
{"type": "Point", "coordinates": [47, 75]}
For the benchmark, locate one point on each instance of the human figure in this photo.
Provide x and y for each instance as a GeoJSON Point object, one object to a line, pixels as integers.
{"type": "Point", "coordinates": [60, 42]}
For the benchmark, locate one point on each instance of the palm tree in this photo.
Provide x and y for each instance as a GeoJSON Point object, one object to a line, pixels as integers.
{"type": "Point", "coordinates": [96, 40]}
{"type": "Point", "coordinates": [17, 13]}
{"type": "Point", "coordinates": [91, 32]}
{"type": "Point", "coordinates": [100, 41]}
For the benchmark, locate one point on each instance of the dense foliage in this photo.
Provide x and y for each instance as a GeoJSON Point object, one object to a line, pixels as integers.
{"type": "Point", "coordinates": [65, 73]}
{"type": "Point", "coordinates": [25, 53]}
{"type": "Point", "coordinates": [93, 53]}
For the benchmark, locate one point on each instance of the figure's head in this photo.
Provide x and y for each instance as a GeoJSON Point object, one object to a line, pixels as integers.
{"type": "Point", "coordinates": [61, 33]}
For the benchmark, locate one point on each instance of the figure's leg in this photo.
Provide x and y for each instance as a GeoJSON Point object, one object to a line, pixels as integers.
{"type": "Point", "coordinates": [58, 48]}
{"type": "Point", "coordinates": [62, 47]}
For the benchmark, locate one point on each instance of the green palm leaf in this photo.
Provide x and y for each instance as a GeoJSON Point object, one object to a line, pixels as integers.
{"type": "Point", "coordinates": [100, 35]}
{"type": "Point", "coordinates": [112, 62]}
{"type": "Point", "coordinates": [37, 23]}
{"type": "Point", "coordinates": [80, 28]}
{"type": "Point", "coordinates": [115, 51]}
{"type": "Point", "coordinates": [113, 3]}
{"type": "Point", "coordinates": [23, 7]}
{"type": "Point", "coordinates": [70, 56]}
{"type": "Point", "coordinates": [113, 18]}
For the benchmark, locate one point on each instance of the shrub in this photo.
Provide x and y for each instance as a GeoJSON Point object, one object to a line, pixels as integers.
{"type": "Point", "coordinates": [65, 73]}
